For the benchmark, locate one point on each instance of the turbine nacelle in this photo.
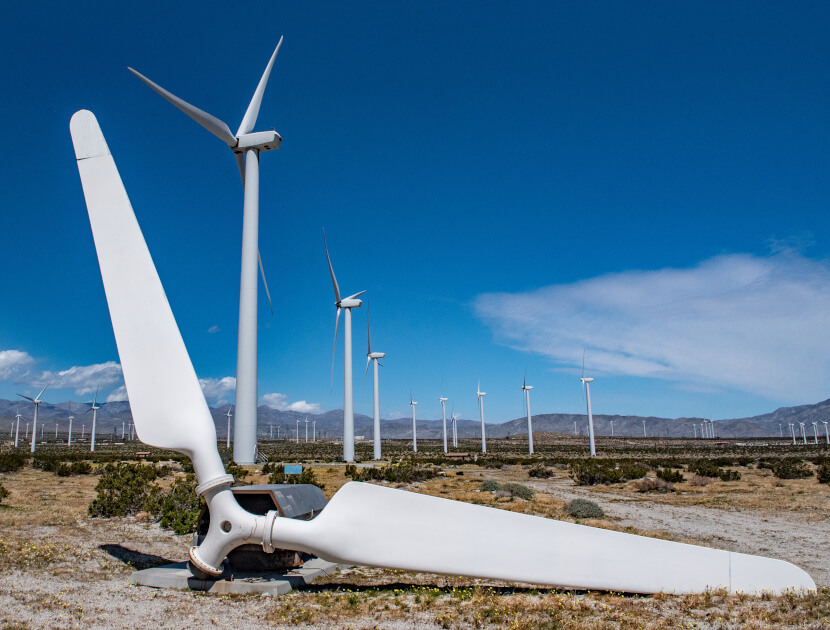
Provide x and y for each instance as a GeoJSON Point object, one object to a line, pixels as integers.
{"type": "Point", "coordinates": [527, 386]}
{"type": "Point", "coordinates": [376, 355]}
{"type": "Point", "coordinates": [442, 399]}
{"type": "Point", "coordinates": [350, 302]}
{"type": "Point", "coordinates": [260, 140]}
{"type": "Point", "coordinates": [587, 380]}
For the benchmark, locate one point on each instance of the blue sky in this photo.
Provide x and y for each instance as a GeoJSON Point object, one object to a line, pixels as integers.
{"type": "Point", "coordinates": [510, 182]}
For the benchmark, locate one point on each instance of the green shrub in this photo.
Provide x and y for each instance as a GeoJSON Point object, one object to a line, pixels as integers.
{"type": "Point", "coordinates": [823, 472]}
{"type": "Point", "coordinates": [12, 460]}
{"type": "Point", "coordinates": [62, 469]}
{"type": "Point", "coordinates": [792, 468]}
{"type": "Point", "coordinates": [631, 470]}
{"type": "Point", "coordinates": [178, 508]}
{"type": "Point", "coordinates": [490, 486]}
{"type": "Point", "coordinates": [307, 476]}
{"type": "Point", "coordinates": [518, 490]}
{"type": "Point", "coordinates": [81, 468]}
{"type": "Point", "coordinates": [729, 475]}
{"type": "Point", "coordinates": [591, 472]}
{"type": "Point", "coordinates": [672, 476]}
{"type": "Point", "coordinates": [704, 468]}
{"type": "Point", "coordinates": [239, 473]}
{"type": "Point", "coordinates": [123, 489]}
{"type": "Point", "coordinates": [582, 508]}
{"type": "Point", "coordinates": [540, 472]}
{"type": "Point", "coordinates": [404, 472]}
{"type": "Point", "coordinates": [3, 493]}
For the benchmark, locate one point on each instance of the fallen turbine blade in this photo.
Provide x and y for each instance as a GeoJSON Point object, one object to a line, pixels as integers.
{"type": "Point", "coordinates": [209, 122]}
{"type": "Point", "coordinates": [384, 527]}
{"type": "Point", "coordinates": [249, 120]}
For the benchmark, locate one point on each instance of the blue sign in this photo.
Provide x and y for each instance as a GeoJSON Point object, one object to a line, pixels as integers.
{"type": "Point", "coordinates": [293, 469]}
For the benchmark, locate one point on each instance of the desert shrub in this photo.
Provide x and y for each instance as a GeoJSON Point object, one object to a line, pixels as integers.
{"type": "Point", "coordinates": [123, 489]}
{"type": "Point", "coordinates": [81, 468]}
{"type": "Point", "coordinates": [46, 462]}
{"type": "Point", "coordinates": [729, 475]}
{"type": "Point", "coordinates": [540, 472]}
{"type": "Point", "coordinates": [3, 493]}
{"type": "Point", "coordinates": [792, 468]}
{"type": "Point", "coordinates": [404, 472]}
{"type": "Point", "coordinates": [823, 472]}
{"type": "Point", "coordinates": [12, 460]}
{"type": "Point", "coordinates": [518, 490]}
{"type": "Point", "coordinates": [490, 486]}
{"type": "Point", "coordinates": [653, 484]}
{"type": "Point", "coordinates": [697, 480]}
{"type": "Point", "coordinates": [744, 461]}
{"type": "Point", "coordinates": [179, 507]}
{"type": "Point", "coordinates": [631, 470]}
{"type": "Point", "coordinates": [582, 508]}
{"type": "Point", "coordinates": [62, 469]}
{"type": "Point", "coordinates": [239, 473]}
{"type": "Point", "coordinates": [307, 476]}
{"type": "Point", "coordinates": [767, 463]}
{"type": "Point", "coordinates": [704, 468]}
{"type": "Point", "coordinates": [593, 472]}
{"type": "Point", "coordinates": [672, 476]}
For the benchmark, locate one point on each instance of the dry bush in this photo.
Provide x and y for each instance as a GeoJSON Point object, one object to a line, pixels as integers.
{"type": "Point", "coordinates": [653, 484]}
{"type": "Point", "coordinates": [699, 481]}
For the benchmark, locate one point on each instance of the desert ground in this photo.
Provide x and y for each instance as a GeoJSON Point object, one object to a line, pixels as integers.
{"type": "Point", "coordinates": [65, 569]}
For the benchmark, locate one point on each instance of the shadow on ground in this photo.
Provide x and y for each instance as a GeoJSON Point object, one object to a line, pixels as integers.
{"type": "Point", "coordinates": [134, 559]}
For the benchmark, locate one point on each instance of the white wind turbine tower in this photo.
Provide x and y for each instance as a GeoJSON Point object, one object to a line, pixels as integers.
{"type": "Point", "coordinates": [803, 432]}
{"type": "Point", "coordinates": [612, 428]}
{"type": "Point", "coordinates": [480, 395]}
{"type": "Point", "coordinates": [17, 428]}
{"type": "Point", "coordinates": [298, 431]}
{"type": "Point", "coordinates": [346, 304]}
{"type": "Point", "coordinates": [229, 426]}
{"type": "Point", "coordinates": [454, 419]}
{"type": "Point", "coordinates": [36, 400]}
{"type": "Point", "coordinates": [792, 430]}
{"type": "Point", "coordinates": [313, 430]}
{"type": "Point", "coordinates": [443, 402]}
{"type": "Point", "coordinates": [412, 404]}
{"type": "Point", "coordinates": [815, 433]}
{"type": "Point", "coordinates": [826, 434]}
{"type": "Point", "coordinates": [644, 428]}
{"type": "Point", "coordinates": [306, 429]}
{"type": "Point", "coordinates": [246, 146]}
{"type": "Point", "coordinates": [94, 409]}
{"type": "Point", "coordinates": [526, 390]}
{"type": "Point", "coordinates": [587, 389]}
{"type": "Point", "coordinates": [374, 358]}
{"type": "Point", "coordinates": [362, 523]}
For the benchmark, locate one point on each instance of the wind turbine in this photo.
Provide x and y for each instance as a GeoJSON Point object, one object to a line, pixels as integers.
{"type": "Point", "coordinates": [36, 400]}
{"type": "Point", "coordinates": [229, 427]}
{"type": "Point", "coordinates": [443, 402]}
{"type": "Point", "coordinates": [454, 419]}
{"type": "Point", "coordinates": [824, 422]}
{"type": "Point", "coordinates": [644, 428]}
{"type": "Point", "coordinates": [362, 523]}
{"type": "Point", "coordinates": [815, 433]}
{"type": "Point", "coordinates": [246, 146]}
{"type": "Point", "coordinates": [375, 358]}
{"type": "Point", "coordinates": [17, 428]}
{"type": "Point", "coordinates": [298, 431]}
{"type": "Point", "coordinates": [480, 395]}
{"type": "Point", "coordinates": [313, 430]}
{"type": "Point", "coordinates": [803, 433]}
{"type": "Point", "coordinates": [526, 390]}
{"type": "Point", "coordinates": [412, 404]}
{"type": "Point", "coordinates": [587, 389]}
{"type": "Point", "coordinates": [346, 304]}
{"type": "Point", "coordinates": [612, 428]}
{"type": "Point", "coordinates": [306, 429]}
{"type": "Point", "coordinates": [94, 409]}
{"type": "Point", "coordinates": [792, 430]}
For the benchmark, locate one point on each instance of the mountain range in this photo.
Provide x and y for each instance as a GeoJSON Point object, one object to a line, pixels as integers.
{"type": "Point", "coordinates": [112, 416]}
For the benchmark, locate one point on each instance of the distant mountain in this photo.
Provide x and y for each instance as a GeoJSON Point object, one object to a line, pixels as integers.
{"type": "Point", "coordinates": [112, 416]}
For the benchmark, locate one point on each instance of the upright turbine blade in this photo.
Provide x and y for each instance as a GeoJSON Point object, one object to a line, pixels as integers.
{"type": "Point", "coordinates": [264, 281]}
{"type": "Point", "coordinates": [368, 330]}
{"type": "Point", "coordinates": [331, 270]}
{"type": "Point", "coordinates": [366, 372]}
{"type": "Point", "coordinates": [249, 120]}
{"type": "Point", "coordinates": [334, 349]}
{"type": "Point", "coordinates": [41, 392]}
{"type": "Point", "coordinates": [211, 123]}
{"type": "Point", "coordinates": [168, 407]}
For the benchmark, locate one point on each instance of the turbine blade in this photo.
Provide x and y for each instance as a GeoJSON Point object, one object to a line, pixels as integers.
{"type": "Point", "coordinates": [331, 270]}
{"type": "Point", "coordinates": [240, 163]}
{"type": "Point", "coordinates": [334, 350]}
{"type": "Point", "coordinates": [41, 392]}
{"type": "Point", "coordinates": [249, 120]}
{"type": "Point", "coordinates": [366, 371]}
{"type": "Point", "coordinates": [95, 400]}
{"type": "Point", "coordinates": [583, 363]}
{"type": "Point", "coordinates": [264, 281]}
{"type": "Point", "coordinates": [167, 404]}
{"type": "Point", "coordinates": [26, 397]}
{"type": "Point", "coordinates": [211, 123]}
{"type": "Point", "coordinates": [354, 295]}
{"type": "Point", "coordinates": [368, 330]}
{"type": "Point", "coordinates": [384, 527]}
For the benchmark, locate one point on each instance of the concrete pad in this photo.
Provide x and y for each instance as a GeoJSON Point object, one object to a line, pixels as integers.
{"type": "Point", "coordinates": [178, 576]}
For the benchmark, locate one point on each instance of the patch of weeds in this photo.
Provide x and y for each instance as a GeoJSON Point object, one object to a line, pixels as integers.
{"type": "Point", "coordinates": [506, 490]}
{"type": "Point", "coordinates": [405, 472]}
{"type": "Point", "coordinates": [591, 472]}
{"type": "Point", "coordinates": [540, 472]}
{"type": "Point", "coordinates": [791, 468]}
{"type": "Point", "coordinates": [654, 484]}
{"type": "Point", "coordinates": [3, 493]}
{"type": "Point", "coordinates": [12, 460]}
{"type": "Point", "coordinates": [823, 472]}
{"type": "Point", "coordinates": [490, 486]}
{"type": "Point", "coordinates": [672, 476]}
{"type": "Point", "coordinates": [704, 467]}
{"type": "Point", "coordinates": [729, 475]}
{"type": "Point", "coordinates": [698, 481]}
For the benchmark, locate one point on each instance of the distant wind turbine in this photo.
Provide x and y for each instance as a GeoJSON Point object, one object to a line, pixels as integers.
{"type": "Point", "coordinates": [792, 430]}
{"type": "Point", "coordinates": [246, 146]}
{"type": "Point", "coordinates": [526, 390]}
{"type": "Point", "coordinates": [306, 429]}
{"type": "Point", "coordinates": [346, 304]}
{"type": "Point", "coordinates": [298, 431]}
{"type": "Point", "coordinates": [36, 400]}
{"type": "Point", "coordinates": [803, 432]}
{"type": "Point", "coordinates": [454, 419]}
{"type": "Point", "coordinates": [412, 404]}
{"type": "Point", "coordinates": [229, 426]}
{"type": "Point", "coordinates": [826, 434]}
{"type": "Point", "coordinates": [644, 428]}
{"type": "Point", "coordinates": [587, 388]}
{"type": "Point", "coordinates": [443, 402]}
{"type": "Point", "coordinates": [374, 358]}
{"type": "Point", "coordinates": [313, 430]}
{"type": "Point", "coordinates": [17, 428]}
{"type": "Point", "coordinates": [480, 395]}
{"type": "Point", "coordinates": [94, 409]}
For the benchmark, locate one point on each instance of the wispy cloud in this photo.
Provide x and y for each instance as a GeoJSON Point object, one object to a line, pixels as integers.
{"type": "Point", "coordinates": [216, 390]}
{"type": "Point", "coordinates": [214, 329]}
{"type": "Point", "coordinates": [756, 324]}
{"type": "Point", "coordinates": [84, 379]}
{"type": "Point", "coordinates": [118, 395]}
{"type": "Point", "coordinates": [280, 401]}
{"type": "Point", "coordinates": [13, 364]}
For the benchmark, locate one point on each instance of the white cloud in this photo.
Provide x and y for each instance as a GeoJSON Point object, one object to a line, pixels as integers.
{"type": "Point", "coordinates": [118, 395]}
{"type": "Point", "coordinates": [395, 415]}
{"type": "Point", "coordinates": [13, 364]}
{"type": "Point", "coordinates": [280, 401]}
{"type": "Point", "coordinates": [84, 379]}
{"type": "Point", "coordinates": [737, 321]}
{"type": "Point", "coordinates": [217, 389]}
{"type": "Point", "coordinates": [214, 329]}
